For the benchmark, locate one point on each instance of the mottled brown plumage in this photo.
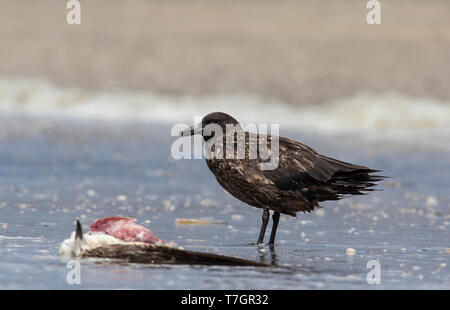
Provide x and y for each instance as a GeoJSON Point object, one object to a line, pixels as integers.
{"type": "Point", "coordinates": [301, 181]}
{"type": "Point", "coordinates": [154, 254]}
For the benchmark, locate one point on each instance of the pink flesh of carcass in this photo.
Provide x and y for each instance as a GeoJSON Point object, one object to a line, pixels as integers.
{"type": "Point", "coordinates": [124, 228]}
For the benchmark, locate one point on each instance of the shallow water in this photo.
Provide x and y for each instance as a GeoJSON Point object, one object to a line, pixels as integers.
{"type": "Point", "coordinates": [55, 171]}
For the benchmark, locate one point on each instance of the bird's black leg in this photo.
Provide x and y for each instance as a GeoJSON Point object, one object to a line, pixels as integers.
{"type": "Point", "coordinates": [275, 219]}
{"type": "Point", "coordinates": [265, 220]}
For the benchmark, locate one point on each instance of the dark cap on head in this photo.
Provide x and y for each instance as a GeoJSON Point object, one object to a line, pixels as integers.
{"type": "Point", "coordinates": [219, 118]}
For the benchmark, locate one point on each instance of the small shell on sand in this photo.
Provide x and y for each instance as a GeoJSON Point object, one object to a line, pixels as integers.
{"type": "Point", "coordinates": [122, 198]}
{"type": "Point", "coordinates": [350, 251]}
{"type": "Point", "coordinates": [91, 193]}
{"type": "Point", "coordinates": [320, 212]}
{"type": "Point", "coordinates": [431, 201]}
{"type": "Point", "coordinates": [197, 222]}
{"type": "Point", "coordinates": [237, 217]}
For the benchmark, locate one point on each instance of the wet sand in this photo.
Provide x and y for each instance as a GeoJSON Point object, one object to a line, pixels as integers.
{"type": "Point", "coordinates": [296, 51]}
{"type": "Point", "coordinates": [53, 172]}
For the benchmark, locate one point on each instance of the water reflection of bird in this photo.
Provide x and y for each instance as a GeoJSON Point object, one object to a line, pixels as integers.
{"type": "Point", "coordinates": [302, 179]}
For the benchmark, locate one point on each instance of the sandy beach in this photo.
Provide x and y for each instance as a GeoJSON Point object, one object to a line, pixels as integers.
{"type": "Point", "coordinates": [299, 52]}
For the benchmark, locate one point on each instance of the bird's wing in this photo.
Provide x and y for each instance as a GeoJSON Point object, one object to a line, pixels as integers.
{"type": "Point", "coordinates": [244, 180]}
{"type": "Point", "coordinates": [300, 165]}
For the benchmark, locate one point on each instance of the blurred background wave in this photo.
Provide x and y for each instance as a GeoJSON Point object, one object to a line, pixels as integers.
{"type": "Point", "coordinates": [303, 64]}
{"type": "Point", "coordinates": [385, 115]}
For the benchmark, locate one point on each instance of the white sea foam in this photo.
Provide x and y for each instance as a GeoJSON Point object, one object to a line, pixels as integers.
{"type": "Point", "coordinates": [390, 113]}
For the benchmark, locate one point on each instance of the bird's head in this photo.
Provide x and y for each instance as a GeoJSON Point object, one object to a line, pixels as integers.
{"type": "Point", "coordinates": [209, 123]}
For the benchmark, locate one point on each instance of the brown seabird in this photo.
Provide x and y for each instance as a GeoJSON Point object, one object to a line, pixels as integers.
{"type": "Point", "coordinates": [302, 179]}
